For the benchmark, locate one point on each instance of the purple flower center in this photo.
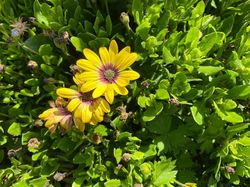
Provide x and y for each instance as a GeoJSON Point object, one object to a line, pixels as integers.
{"type": "Point", "coordinates": [108, 73]}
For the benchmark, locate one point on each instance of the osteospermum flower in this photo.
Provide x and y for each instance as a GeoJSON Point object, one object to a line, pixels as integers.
{"type": "Point", "coordinates": [58, 114]}
{"type": "Point", "coordinates": [84, 107]}
{"type": "Point", "coordinates": [107, 75]}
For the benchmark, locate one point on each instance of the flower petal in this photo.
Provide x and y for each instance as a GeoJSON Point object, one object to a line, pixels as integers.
{"type": "Point", "coordinates": [45, 115]}
{"type": "Point", "coordinates": [129, 74]}
{"type": "Point", "coordinates": [109, 95]}
{"type": "Point", "coordinates": [99, 90]}
{"type": "Point", "coordinates": [127, 60]}
{"type": "Point", "coordinates": [86, 114]}
{"type": "Point", "coordinates": [121, 90]}
{"type": "Point", "coordinates": [86, 65]}
{"type": "Point", "coordinates": [104, 105]}
{"type": "Point", "coordinates": [113, 47]}
{"type": "Point", "coordinates": [121, 81]}
{"type": "Point", "coordinates": [104, 54]}
{"type": "Point", "coordinates": [92, 57]}
{"type": "Point", "coordinates": [88, 76]}
{"type": "Point", "coordinates": [73, 104]}
{"type": "Point", "coordinates": [79, 124]}
{"type": "Point", "coordinates": [88, 86]}
{"type": "Point", "coordinates": [67, 93]}
{"type": "Point", "coordinates": [78, 111]}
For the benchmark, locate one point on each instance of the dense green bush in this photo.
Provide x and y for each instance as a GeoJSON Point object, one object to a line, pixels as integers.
{"type": "Point", "coordinates": [184, 121]}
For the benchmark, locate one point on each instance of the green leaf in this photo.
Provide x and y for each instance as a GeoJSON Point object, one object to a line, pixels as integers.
{"type": "Point", "coordinates": [239, 92]}
{"type": "Point", "coordinates": [79, 158]}
{"type": "Point", "coordinates": [143, 101]}
{"type": "Point", "coordinates": [161, 124]}
{"type": "Point", "coordinates": [137, 11]}
{"type": "Point", "coordinates": [143, 29]}
{"type": "Point", "coordinates": [117, 154]}
{"type": "Point", "coordinates": [229, 104]}
{"type": "Point", "coordinates": [38, 181]}
{"type": "Point", "coordinates": [210, 70]}
{"type": "Point", "coordinates": [78, 182]}
{"type": "Point", "coordinates": [27, 136]}
{"type": "Point", "coordinates": [23, 183]}
{"type": "Point", "coordinates": [228, 116]}
{"type": "Point", "coordinates": [78, 43]}
{"type": "Point", "coordinates": [1, 155]}
{"type": "Point", "coordinates": [33, 43]}
{"type": "Point", "coordinates": [198, 111]}
{"type": "Point", "coordinates": [180, 85]}
{"type": "Point", "coordinates": [152, 111]}
{"type": "Point", "coordinates": [108, 25]}
{"type": "Point", "coordinates": [32, 82]}
{"type": "Point", "coordinates": [164, 173]}
{"type": "Point", "coordinates": [137, 155]}
{"type": "Point", "coordinates": [113, 183]}
{"type": "Point", "coordinates": [101, 130]}
{"type": "Point", "coordinates": [162, 94]}
{"type": "Point", "coordinates": [227, 24]}
{"type": "Point", "coordinates": [45, 49]}
{"type": "Point", "coordinates": [193, 37]}
{"type": "Point", "coordinates": [47, 69]}
{"type": "Point", "coordinates": [198, 10]}
{"type": "Point", "coordinates": [167, 56]}
{"type": "Point", "coordinates": [15, 129]}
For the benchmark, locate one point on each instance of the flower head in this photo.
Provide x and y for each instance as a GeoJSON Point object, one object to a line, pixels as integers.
{"type": "Point", "coordinates": [107, 75]}
{"type": "Point", "coordinates": [58, 114]}
{"type": "Point", "coordinates": [83, 106]}
{"type": "Point", "coordinates": [19, 27]}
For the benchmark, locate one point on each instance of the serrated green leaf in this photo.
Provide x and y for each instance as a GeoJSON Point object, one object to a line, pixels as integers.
{"type": "Point", "coordinates": [15, 129]}
{"type": "Point", "coordinates": [162, 94]}
{"type": "Point", "coordinates": [117, 154]}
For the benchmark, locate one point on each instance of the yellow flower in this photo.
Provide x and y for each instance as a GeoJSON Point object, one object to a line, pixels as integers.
{"type": "Point", "coordinates": [84, 107]}
{"type": "Point", "coordinates": [107, 75]}
{"type": "Point", "coordinates": [59, 115]}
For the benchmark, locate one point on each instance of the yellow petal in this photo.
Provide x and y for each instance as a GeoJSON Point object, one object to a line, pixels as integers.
{"type": "Point", "coordinates": [120, 56]}
{"type": "Point", "coordinates": [97, 117]}
{"type": "Point", "coordinates": [105, 106]}
{"type": "Point", "coordinates": [99, 90]}
{"type": "Point", "coordinates": [73, 104]}
{"type": "Point", "coordinates": [104, 54]}
{"type": "Point", "coordinates": [86, 114]}
{"type": "Point", "coordinates": [88, 86]}
{"type": "Point", "coordinates": [113, 47]}
{"type": "Point", "coordinates": [88, 76]}
{"type": "Point", "coordinates": [79, 124]}
{"type": "Point", "coordinates": [109, 96]}
{"type": "Point", "coordinates": [113, 50]}
{"type": "Point", "coordinates": [47, 113]}
{"type": "Point", "coordinates": [66, 122]}
{"type": "Point", "coordinates": [86, 65]}
{"type": "Point", "coordinates": [78, 111]}
{"type": "Point", "coordinates": [121, 90]}
{"type": "Point", "coordinates": [121, 81]}
{"type": "Point", "coordinates": [67, 93]}
{"type": "Point", "coordinates": [92, 57]}
{"type": "Point", "coordinates": [126, 61]}
{"type": "Point", "coordinates": [129, 74]}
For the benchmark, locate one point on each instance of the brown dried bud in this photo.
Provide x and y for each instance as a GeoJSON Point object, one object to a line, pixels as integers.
{"type": "Point", "coordinates": [119, 166]}
{"type": "Point", "coordinates": [38, 123]}
{"type": "Point", "coordinates": [97, 138]}
{"type": "Point", "coordinates": [230, 169]}
{"type": "Point", "coordinates": [12, 152]}
{"type": "Point", "coordinates": [31, 19]}
{"type": "Point", "coordinates": [126, 157]}
{"type": "Point", "coordinates": [174, 101]}
{"type": "Point", "coordinates": [74, 69]}
{"type": "Point", "coordinates": [49, 33]}
{"type": "Point", "coordinates": [59, 176]}
{"type": "Point", "coordinates": [34, 143]}
{"type": "Point", "coordinates": [145, 85]}
{"type": "Point", "coordinates": [32, 64]}
{"type": "Point", "coordinates": [2, 68]}
{"type": "Point", "coordinates": [106, 118]}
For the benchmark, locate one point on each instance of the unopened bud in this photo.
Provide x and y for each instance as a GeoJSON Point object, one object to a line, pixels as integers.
{"type": "Point", "coordinates": [126, 157]}
{"type": "Point", "coordinates": [119, 166]}
{"type": "Point", "coordinates": [38, 123]}
{"type": "Point", "coordinates": [49, 80]}
{"type": "Point", "coordinates": [146, 168]}
{"type": "Point", "coordinates": [2, 68]}
{"type": "Point", "coordinates": [124, 17]}
{"type": "Point", "coordinates": [138, 185]}
{"type": "Point", "coordinates": [145, 85]}
{"type": "Point", "coordinates": [74, 69]}
{"type": "Point", "coordinates": [230, 169]}
{"type": "Point", "coordinates": [34, 143]}
{"type": "Point", "coordinates": [59, 176]}
{"type": "Point", "coordinates": [13, 152]}
{"type": "Point", "coordinates": [31, 19]}
{"type": "Point", "coordinates": [174, 101]}
{"type": "Point", "coordinates": [32, 64]}
{"type": "Point", "coordinates": [97, 138]}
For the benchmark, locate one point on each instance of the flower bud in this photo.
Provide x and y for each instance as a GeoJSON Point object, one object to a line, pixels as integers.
{"type": "Point", "coordinates": [34, 143]}
{"type": "Point", "coordinates": [2, 68]}
{"type": "Point", "coordinates": [32, 64]}
{"type": "Point", "coordinates": [174, 101]}
{"type": "Point", "coordinates": [145, 85]}
{"type": "Point", "coordinates": [59, 176]}
{"type": "Point", "coordinates": [38, 123]}
{"type": "Point", "coordinates": [146, 168]}
{"type": "Point", "coordinates": [126, 157]}
{"type": "Point", "coordinates": [124, 17]}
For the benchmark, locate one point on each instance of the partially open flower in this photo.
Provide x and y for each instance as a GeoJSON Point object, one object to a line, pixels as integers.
{"type": "Point", "coordinates": [60, 115]}
{"type": "Point", "coordinates": [83, 106]}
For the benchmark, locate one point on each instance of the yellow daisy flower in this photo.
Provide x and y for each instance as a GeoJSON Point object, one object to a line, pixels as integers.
{"type": "Point", "coordinates": [84, 107]}
{"type": "Point", "coordinates": [58, 114]}
{"type": "Point", "coordinates": [107, 75]}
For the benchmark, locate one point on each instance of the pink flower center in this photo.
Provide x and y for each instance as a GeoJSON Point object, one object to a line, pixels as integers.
{"type": "Point", "coordinates": [108, 73]}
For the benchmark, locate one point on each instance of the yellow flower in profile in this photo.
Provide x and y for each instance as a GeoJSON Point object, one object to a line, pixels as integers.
{"type": "Point", "coordinates": [107, 75]}
{"type": "Point", "coordinates": [58, 114]}
{"type": "Point", "coordinates": [84, 107]}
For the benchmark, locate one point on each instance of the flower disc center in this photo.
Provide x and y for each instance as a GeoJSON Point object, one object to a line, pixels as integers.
{"type": "Point", "coordinates": [109, 75]}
